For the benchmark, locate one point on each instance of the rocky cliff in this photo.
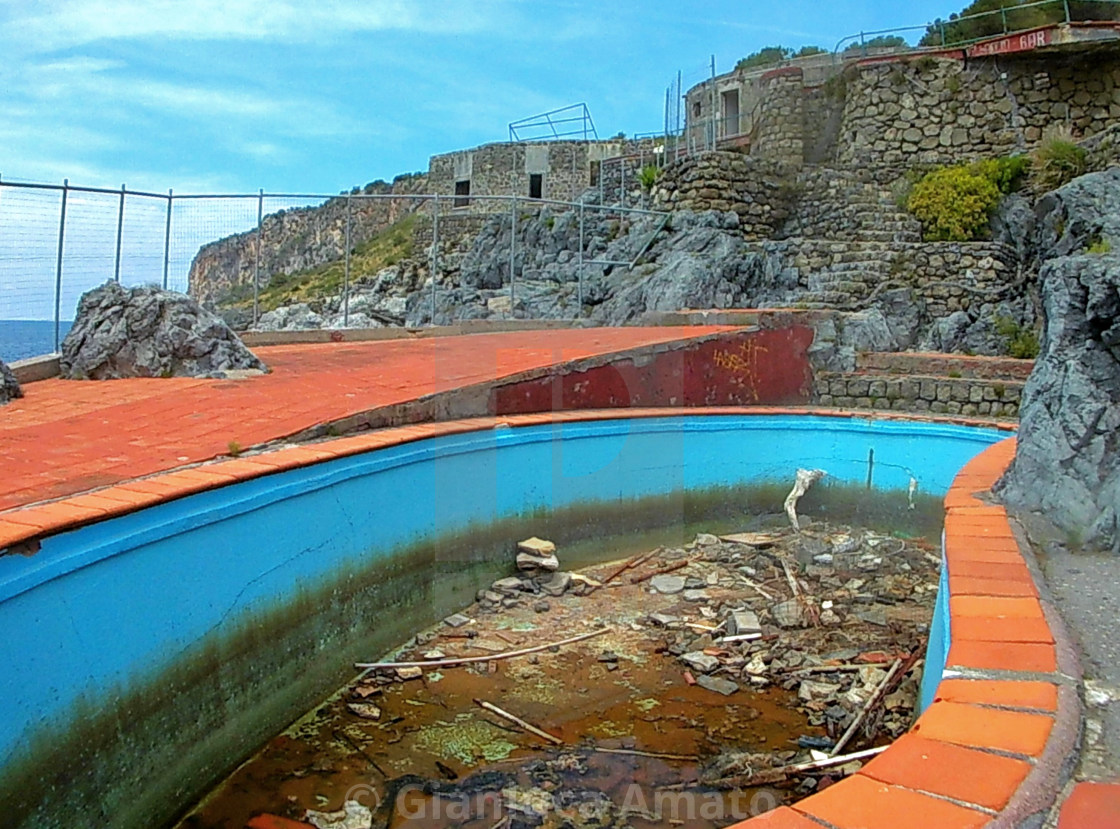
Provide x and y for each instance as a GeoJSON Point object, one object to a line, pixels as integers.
{"type": "Point", "coordinates": [294, 240]}
{"type": "Point", "coordinates": [1067, 465]}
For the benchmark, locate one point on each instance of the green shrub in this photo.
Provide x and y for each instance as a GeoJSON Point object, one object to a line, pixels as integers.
{"type": "Point", "coordinates": [1022, 342]}
{"type": "Point", "coordinates": [1099, 246]}
{"type": "Point", "coordinates": [1005, 173]}
{"type": "Point", "coordinates": [953, 204]}
{"type": "Point", "coordinates": [1057, 160]}
{"type": "Point", "coordinates": [648, 176]}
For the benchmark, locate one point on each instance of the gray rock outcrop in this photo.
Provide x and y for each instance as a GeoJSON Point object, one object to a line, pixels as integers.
{"type": "Point", "coordinates": [9, 385]}
{"type": "Point", "coordinates": [149, 332]}
{"type": "Point", "coordinates": [1067, 465]}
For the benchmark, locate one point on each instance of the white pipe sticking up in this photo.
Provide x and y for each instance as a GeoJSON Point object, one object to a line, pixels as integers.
{"type": "Point", "coordinates": [805, 479]}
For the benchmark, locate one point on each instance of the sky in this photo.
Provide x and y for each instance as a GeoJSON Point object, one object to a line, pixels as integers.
{"type": "Point", "coordinates": [235, 95]}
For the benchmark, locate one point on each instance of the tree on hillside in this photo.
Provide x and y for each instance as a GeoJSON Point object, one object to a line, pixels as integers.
{"type": "Point", "coordinates": [769, 55]}
{"type": "Point", "coordinates": [988, 18]}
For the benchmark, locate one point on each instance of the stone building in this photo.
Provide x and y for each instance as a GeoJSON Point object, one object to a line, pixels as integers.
{"type": "Point", "coordinates": [890, 112]}
{"type": "Point", "coordinates": [558, 170]}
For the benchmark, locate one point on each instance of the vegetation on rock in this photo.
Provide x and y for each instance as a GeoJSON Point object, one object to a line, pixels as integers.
{"type": "Point", "coordinates": [954, 204]}
{"type": "Point", "coordinates": [387, 248]}
{"type": "Point", "coordinates": [770, 55]}
{"type": "Point", "coordinates": [988, 18]}
{"type": "Point", "coordinates": [1022, 342]}
{"type": "Point", "coordinates": [1057, 160]}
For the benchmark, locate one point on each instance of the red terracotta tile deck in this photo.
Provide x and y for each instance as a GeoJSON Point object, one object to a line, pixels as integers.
{"type": "Point", "coordinates": [1092, 806]}
{"type": "Point", "coordinates": [66, 437]}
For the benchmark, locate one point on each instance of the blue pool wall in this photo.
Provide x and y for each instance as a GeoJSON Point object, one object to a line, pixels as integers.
{"type": "Point", "coordinates": [104, 607]}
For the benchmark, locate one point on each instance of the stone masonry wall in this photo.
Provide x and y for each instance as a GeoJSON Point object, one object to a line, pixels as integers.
{"type": "Point", "coordinates": [920, 110]}
{"type": "Point", "coordinates": [504, 170]}
{"type": "Point", "coordinates": [758, 191]}
{"type": "Point", "coordinates": [939, 395]}
{"type": "Point", "coordinates": [780, 129]}
{"type": "Point", "coordinates": [940, 111]}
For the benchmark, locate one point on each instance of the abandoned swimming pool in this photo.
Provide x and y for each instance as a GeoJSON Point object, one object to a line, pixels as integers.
{"type": "Point", "coordinates": [172, 642]}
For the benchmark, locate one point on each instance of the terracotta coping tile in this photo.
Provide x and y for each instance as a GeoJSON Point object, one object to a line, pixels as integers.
{"type": "Point", "coordinates": [1001, 629]}
{"type": "Point", "coordinates": [51, 515]}
{"type": "Point", "coordinates": [965, 774]}
{"type": "Point", "coordinates": [997, 570]}
{"type": "Point", "coordinates": [998, 606]}
{"type": "Point", "coordinates": [14, 533]}
{"type": "Point", "coordinates": [972, 586]}
{"type": "Point", "coordinates": [1091, 806]}
{"type": "Point", "coordinates": [1030, 657]}
{"type": "Point", "coordinates": [970, 725]}
{"type": "Point", "coordinates": [1010, 693]}
{"type": "Point", "coordinates": [860, 802]}
{"type": "Point", "coordinates": [781, 818]}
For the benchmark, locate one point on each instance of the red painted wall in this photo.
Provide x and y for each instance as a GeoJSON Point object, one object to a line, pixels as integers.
{"type": "Point", "coordinates": [745, 368]}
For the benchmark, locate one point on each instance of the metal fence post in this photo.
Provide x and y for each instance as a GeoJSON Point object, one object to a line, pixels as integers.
{"type": "Point", "coordinates": [512, 250]}
{"type": "Point", "coordinates": [580, 260]}
{"type": "Point", "coordinates": [346, 273]}
{"type": "Point", "coordinates": [58, 264]}
{"type": "Point", "coordinates": [435, 251]}
{"type": "Point", "coordinates": [1065, 4]}
{"type": "Point", "coordinates": [257, 259]}
{"type": "Point", "coordinates": [167, 239]}
{"type": "Point", "coordinates": [120, 234]}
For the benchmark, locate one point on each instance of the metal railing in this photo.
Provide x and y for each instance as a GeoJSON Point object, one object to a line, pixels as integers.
{"type": "Point", "coordinates": [63, 240]}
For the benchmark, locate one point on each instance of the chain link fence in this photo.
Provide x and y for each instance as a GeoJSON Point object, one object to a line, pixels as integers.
{"type": "Point", "coordinates": [63, 240]}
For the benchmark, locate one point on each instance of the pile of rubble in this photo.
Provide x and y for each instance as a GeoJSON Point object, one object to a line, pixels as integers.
{"type": "Point", "coordinates": [776, 661]}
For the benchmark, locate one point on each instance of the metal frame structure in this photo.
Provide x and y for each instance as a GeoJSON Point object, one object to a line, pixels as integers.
{"type": "Point", "coordinates": [554, 125]}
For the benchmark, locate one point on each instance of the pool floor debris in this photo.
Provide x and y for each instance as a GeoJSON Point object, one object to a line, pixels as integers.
{"type": "Point", "coordinates": [728, 672]}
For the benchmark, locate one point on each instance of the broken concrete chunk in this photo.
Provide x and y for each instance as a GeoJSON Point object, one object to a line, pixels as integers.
{"type": "Point", "coordinates": [457, 620]}
{"type": "Point", "coordinates": [696, 595]}
{"type": "Point", "coordinates": [706, 539]}
{"type": "Point", "coordinates": [717, 684]}
{"type": "Point", "coordinates": [667, 584]}
{"type": "Point", "coordinates": [528, 561]}
{"type": "Point", "coordinates": [365, 710]}
{"type": "Point", "coordinates": [742, 621]}
{"type": "Point", "coordinates": [536, 547]}
{"type": "Point", "coordinates": [812, 690]}
{"type": "Point", "coordinates": [664, 619]}
{"type": "Point", "coordinates": [434, 654]}
{"type": "Point", "coordinates": [700, 661]}
{"type": "Point", "coordinates": [789, 614]}
{"type": "Point", "coordinates": [409, 673]}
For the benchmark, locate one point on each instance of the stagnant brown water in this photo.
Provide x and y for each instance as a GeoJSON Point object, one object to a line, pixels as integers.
{"type": "Point", "coordinates": [630, 727]}
{"type": "Point", "coordinates": [432, 728]}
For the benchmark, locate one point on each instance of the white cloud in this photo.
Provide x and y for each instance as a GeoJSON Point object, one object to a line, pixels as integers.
{"type": "Point", "coordinates": [59, 24]}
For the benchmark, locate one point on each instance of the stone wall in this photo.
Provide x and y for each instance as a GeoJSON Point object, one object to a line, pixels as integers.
{"type": "Point", "coordinates": [505, 169]}
{"type": "Point", "coordinates": [944, 276]}
{"type": "Point", "coordinates": [939, 395]}
{"type": "Point", "coordinates": [914, 110]}
{"type": "Point", "coordinates": [847, 205]}
{"type": "Point", "coordinates": [759, 191]}
{"type": "Point", "coordinates": [293, 240]}
{"type": "Point", "coordinates": [780, 129]}
{"type": "Point", "coordinates": [941, 110]}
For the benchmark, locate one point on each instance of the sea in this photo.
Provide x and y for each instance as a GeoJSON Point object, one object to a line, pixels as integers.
{"type": "Point", "coordinates": [20, 339]}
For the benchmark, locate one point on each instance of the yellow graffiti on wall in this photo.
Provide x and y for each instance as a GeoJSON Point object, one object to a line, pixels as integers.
{"type": "Point", "coordinates": [744, 363]}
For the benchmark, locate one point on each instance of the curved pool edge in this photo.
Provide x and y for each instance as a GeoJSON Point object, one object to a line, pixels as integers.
{"type": "Point", "coordinates": [21, 528]}
{"type": "Point", "coordinates": [1004, 717]}
{"type": "Point", "coordinates": [993, 747]}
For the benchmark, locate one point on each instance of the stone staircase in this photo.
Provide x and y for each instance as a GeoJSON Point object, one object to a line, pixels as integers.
{"type": "Point", "coordinates": [952, 384]}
